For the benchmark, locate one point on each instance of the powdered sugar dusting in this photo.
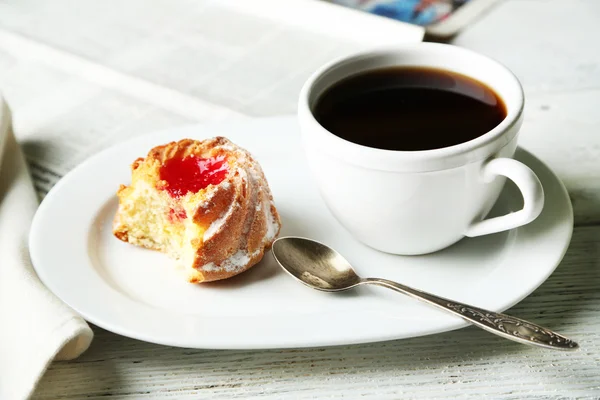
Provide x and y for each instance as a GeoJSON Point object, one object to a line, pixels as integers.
{"type": "Point", "coordinates": [206, 201]}
{"type": "Point", "coordinates": [210, 267]}
{"type": "Point", "coordinates": [272, 225]}
{"type": "Point", "coordinates": [229, 147]}
{"type": "Point", "coordinates": [239, 259]}
{"type": "Point", "coordinates": [216, 225]}
{"type": "Point", "coordinates": [234, 263]}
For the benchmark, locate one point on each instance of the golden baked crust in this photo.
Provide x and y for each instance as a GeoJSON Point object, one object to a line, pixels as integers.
{"type": "Point", "coordinates": [217, 232]}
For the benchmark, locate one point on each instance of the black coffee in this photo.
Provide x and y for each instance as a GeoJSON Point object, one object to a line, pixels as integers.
{"type": "Point", "coordinates": [412, 108]}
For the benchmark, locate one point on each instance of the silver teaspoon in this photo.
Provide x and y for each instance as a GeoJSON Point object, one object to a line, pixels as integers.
{"type": "Point", "coordinates": [320, 267]}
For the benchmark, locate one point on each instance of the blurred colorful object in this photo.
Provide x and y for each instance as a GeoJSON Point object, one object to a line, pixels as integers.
{"type": "Point", "coordinates": [418, 12]}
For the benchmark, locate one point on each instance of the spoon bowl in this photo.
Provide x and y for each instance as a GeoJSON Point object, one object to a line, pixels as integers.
{"type": "Point", "coordinates": [320, 267]}
{"type": "Point", "coordinates": [314, 264]}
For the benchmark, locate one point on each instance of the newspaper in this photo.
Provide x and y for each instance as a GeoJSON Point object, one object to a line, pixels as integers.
{"type": "Point", "coordinates": [441, 18]}
{"type": "Point", "coordinates": [82, 76]}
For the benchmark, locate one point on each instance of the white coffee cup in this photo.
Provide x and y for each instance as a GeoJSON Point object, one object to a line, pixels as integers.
{"type": "Point", "coordinates": [417, 202]}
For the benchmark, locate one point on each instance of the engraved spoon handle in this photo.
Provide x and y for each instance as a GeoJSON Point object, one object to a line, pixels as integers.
{"type": "Point", "coordinates": [500, 324]}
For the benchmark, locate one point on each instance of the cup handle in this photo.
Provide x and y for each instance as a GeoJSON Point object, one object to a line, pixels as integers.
{"type": "Point", "coordinates": [530, 187]}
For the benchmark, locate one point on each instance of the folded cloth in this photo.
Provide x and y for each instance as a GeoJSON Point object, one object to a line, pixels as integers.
{"type": "Point", "coordinates": [35, 326]}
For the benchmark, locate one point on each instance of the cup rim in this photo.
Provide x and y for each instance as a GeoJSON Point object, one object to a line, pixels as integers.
{"type": "Point", "coordinates": [410, 161]}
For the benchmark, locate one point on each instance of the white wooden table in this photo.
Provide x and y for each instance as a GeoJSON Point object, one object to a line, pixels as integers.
{"type": "Point", "coordinates": [60, 75]}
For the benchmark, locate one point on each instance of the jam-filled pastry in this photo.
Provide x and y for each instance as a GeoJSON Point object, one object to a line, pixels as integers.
{"type": "Point", "coordinates": [206, 203]}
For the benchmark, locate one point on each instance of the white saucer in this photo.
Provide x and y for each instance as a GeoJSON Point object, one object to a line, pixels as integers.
{"type": "Point", "coordinates": [140, 293]}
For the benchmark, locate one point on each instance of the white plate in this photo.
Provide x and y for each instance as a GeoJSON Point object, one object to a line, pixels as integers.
{"type": "Point", "coordinates": [140, 293]}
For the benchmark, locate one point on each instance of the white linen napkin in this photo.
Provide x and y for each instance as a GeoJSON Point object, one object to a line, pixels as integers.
{"type": "Point", "coordinates": [35, 326]}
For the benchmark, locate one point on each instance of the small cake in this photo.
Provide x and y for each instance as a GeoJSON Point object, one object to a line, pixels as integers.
{"type": "Point", "coordinates": [206, 203]}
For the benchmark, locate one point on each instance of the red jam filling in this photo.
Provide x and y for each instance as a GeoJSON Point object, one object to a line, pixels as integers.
{"type": "Point", "coordinates": [192, 174]}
